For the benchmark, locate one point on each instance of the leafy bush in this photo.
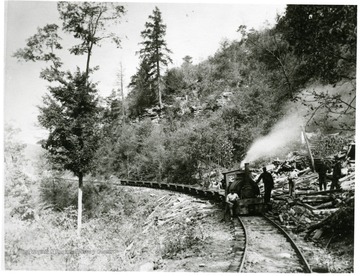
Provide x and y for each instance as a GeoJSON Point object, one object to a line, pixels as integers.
{"type": "Point", "coordinates": [60, 194]}
{"type": "Point", "coordinates": [57, 193]}
{"type": "Point", "coordinates": [19, 187]}
{"type": "Point", "coordinates": [327, 145]}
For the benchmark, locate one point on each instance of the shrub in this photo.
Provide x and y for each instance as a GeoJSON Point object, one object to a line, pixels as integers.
{"type": "Point", "coordinates": [57, 193]}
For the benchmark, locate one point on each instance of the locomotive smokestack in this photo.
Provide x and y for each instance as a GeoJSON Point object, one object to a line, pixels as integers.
{"type": "Point", "coordinates": [247, 173]}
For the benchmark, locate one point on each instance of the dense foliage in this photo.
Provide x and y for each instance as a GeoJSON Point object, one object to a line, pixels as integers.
{"type": "Point", "coordinates": [214, 110]}
{"type": "Point", "coordinates": [329, 50]}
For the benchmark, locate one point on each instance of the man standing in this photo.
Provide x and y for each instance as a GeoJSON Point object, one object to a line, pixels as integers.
{"type": "Point", "coordinates": [231, 201]}
{"type": "Point", "coordinates": [321, 170]}
{"type": "Point", "coordinates": [268, 184]}
{"type": "Point", "coordinates": [292, 176]}
{"type": "Point", "coordinates": [336, 174]}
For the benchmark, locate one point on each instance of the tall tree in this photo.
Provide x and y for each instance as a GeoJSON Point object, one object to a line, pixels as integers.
{"type": "Point", "coordinates": [269, 48]}
{"type": "Point", "coordinates": [142, 94]}
{"type": "Point", "coordinates": [155, 51]}
{"type": "Point", "coordinates": [325, 37]}
{"type": "Point", "coordinates": [70, 111]}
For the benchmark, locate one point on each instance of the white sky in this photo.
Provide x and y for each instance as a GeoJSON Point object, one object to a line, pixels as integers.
{"type": "Point", "coordinates": [192, 29]}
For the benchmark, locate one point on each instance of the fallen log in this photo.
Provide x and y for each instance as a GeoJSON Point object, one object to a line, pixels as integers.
{"type": "Point", "coordinates": [321, 192]}
{"type": "Point", "coordinates": [351, 198]}
{"type": "Point", "coordinates": [318, 234]}
{"type": "Point", "coordinates": [347, 177]}
{"type": "Point", "coordinates": [303, 171]}
{"type": "Point", "coordinates": [307, 206]}
{"type": "Point", "coordinates": [316, 197]}
{"type": "Point", "coordinates": [325, 205]}
{"type": "Point", "coordinates": [316, 202]}
{"type": "Point", "coordinates": [325, 211]}
{"type": "Point", "coordinates": [280, 197]}
{"type": "Point", "coordinates": [330, 221]}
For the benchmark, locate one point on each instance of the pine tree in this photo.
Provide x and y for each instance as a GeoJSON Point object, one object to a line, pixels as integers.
{"type": "Point", "coordinates": [155, 51]}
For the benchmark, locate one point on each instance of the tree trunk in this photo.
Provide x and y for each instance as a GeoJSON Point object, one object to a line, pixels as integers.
{"type": "Point", "coordinates": [122, 93]}
{"type": "Point", "coordinates": [158, 85]}
{"type": "Point", "coordinates": [80, 204]}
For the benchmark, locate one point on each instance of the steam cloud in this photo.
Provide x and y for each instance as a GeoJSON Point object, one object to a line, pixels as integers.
{"type": "Point", "coordinates": [289, 129]}
{"type": "Point", "coordinates": [285, 132]}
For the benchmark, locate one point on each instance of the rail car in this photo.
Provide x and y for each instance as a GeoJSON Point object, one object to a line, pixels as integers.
{"type": "Point", "coordinates": [241, 181]}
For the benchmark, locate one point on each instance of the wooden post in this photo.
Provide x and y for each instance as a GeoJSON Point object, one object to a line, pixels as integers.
{"type": "Point", "coordinates": [80, 190]}
{"type": "Point", "coordinates": [309, 150]}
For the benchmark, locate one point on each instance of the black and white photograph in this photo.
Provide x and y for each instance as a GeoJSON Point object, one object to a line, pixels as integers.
{"type": "Point", "coordinates": [179, 136]}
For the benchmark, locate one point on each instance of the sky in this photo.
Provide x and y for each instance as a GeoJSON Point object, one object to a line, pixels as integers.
{"type": "Point", "coordinates": [192, 29]}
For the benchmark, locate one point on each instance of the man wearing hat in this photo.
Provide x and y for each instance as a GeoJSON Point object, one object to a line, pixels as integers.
{"type": "Point", "coordinates": [268, 184]}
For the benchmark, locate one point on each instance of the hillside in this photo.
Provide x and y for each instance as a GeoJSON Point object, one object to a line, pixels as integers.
{"type": "Point", "coordinates": [281, 97]}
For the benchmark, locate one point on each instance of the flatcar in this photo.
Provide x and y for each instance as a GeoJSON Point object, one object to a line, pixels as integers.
{"type": "Point", "coordinates": [241, 181]}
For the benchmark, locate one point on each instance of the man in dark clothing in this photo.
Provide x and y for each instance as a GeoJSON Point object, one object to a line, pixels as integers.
{"type": "Point", "coordinates": [268, 184]}
{"type": "Point", "coordinates": [336, 174]}
{"type": "Point", "coordinates": [321, 170]}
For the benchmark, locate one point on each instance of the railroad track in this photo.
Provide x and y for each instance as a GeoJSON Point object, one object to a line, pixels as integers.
{"type": "Point", "coordinates": [263, 246]}
{"type": "Point", "coordinates": [260, 244]}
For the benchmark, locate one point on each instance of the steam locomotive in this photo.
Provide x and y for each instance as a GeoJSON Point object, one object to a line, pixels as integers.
{"type": "Point", "coordinates": [241, 181]}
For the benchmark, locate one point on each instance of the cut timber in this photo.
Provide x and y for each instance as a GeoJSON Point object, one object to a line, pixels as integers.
{"type": "Point", "coordinates": [325, 205]}
{"type": "Point", "coordinates": [347, 177]}
{"type": "Point", "coordinates": [318, 234]}
{"type": "Point", "coordinates": [326, 211]}
{"type": "Point", "coordinates": [322, 223]}
{"type": "Point", "coordinates": [316, 197]}
{"type": "Point", "coordinates": [307, 206]}
{"type": "Point", "coordinates": [316, 202]}
{"type": "Point", "coordinates": [303, 171]}
{"type": "Point", "coordinates": [320, 192]}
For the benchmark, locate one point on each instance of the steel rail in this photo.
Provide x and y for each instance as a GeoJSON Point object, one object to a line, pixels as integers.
{"type": "Point", "coordinates": [241, 266]}
{"type": "Point", "coordinates": [293, 244]}
{"type": "Point", "coordinates": [209, 194]}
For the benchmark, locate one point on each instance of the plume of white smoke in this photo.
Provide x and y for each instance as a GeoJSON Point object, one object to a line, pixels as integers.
{"type": "Point", "coordinates": [286, 131]}
{"type": "Point", "coordinates": [289, 129]}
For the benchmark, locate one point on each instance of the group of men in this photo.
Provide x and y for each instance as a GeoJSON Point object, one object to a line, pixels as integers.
{"type": "Point", "coordinates": [268, 181]}
{"type": "Point", "coordinates": [322, 169]}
